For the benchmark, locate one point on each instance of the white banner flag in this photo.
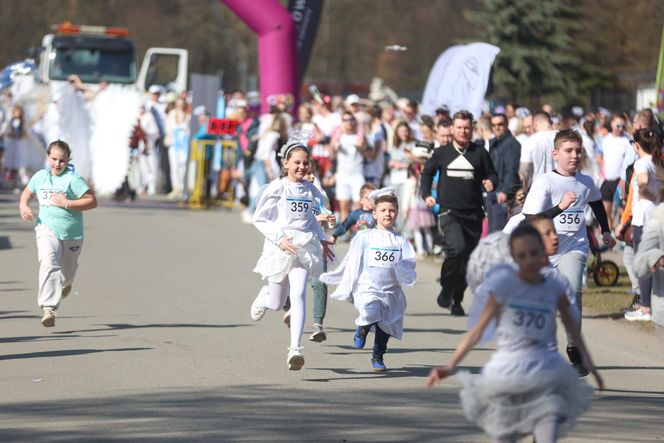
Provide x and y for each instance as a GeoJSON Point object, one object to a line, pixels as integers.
{"type": "Point", "coordinates": [459, 79]}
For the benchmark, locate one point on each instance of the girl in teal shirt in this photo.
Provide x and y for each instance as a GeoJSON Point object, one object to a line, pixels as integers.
{"type": "Point", "coordinates": [62, 195]}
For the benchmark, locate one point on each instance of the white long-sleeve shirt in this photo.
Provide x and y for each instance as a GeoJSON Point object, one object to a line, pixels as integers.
{"type": "Point", "coordinates": [286, 205]}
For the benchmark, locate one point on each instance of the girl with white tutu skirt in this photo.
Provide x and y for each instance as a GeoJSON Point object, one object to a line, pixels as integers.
{"type": "Point", "coordinates": [526, 388]}
{"type": "Point", "coordinates": [295, 244]}
{"type": "Point", "coordinates": [378, 262]}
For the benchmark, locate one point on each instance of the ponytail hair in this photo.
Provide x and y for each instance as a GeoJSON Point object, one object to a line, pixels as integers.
{"type": "Point", "coordinates": [651, 142]}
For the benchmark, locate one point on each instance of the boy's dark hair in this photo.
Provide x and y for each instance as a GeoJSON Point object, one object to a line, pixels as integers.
{"type": "Point", "coordinates": [445, 123]}
{"type": "Point", "coordinates": [567, 135]}
{"type": "Point", "coordinates": [388, 198]}
{"type": "Point", "coordinates": [501, 115]}
{"type": "Point", "coordinates": [526, 230]}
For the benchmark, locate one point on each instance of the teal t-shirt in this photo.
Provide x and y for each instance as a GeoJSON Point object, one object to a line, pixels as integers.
{"type": "Point", "coordinates": [66, 224]}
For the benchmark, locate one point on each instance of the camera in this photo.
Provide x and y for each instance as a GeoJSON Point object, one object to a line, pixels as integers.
{"type": "Point", "coordinates": [423, 149]}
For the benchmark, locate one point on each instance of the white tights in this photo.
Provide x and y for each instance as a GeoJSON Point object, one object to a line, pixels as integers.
{"type": "Point", "coordinates": [276, 297]}
{"type": "Point", "coordinates": [546, 431]}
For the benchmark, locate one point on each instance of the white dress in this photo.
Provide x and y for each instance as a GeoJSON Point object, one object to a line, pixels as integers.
{"type": "Point", "coordinates": [286, 209]}
{"type": "Point", "coordinates": [372, 272]}
{"type": "Point", "coordinates": [493, 250]}
{"type": "Point", "coordinates": [524, 380]}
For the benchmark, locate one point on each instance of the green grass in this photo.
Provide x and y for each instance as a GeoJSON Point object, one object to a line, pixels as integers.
{"type": "Point", "coordinates": [610, 301]}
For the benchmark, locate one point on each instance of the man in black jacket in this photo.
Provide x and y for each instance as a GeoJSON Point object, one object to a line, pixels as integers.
{"type": "Point", "coordinates": [465, 171]}
{"type": "Point", "coordinates": [505, 152]}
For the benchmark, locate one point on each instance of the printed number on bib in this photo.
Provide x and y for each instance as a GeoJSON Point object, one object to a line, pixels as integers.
{"type": "Point", "coordinates": [298, 208]}
{"type": "Point", "coordinates": [569, 221]}
{"type": "Point", "coordinates": [384, 257]}
{"type": "Point", "coordinates": [44, 195]}
{"type": "Point", "coordinates": [529, 321]}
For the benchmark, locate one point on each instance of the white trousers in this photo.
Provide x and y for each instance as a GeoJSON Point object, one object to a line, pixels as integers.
{"type": "Point", "coordinates": [58, 261]}
{"type": "Point", "coordinates": [295, 286]}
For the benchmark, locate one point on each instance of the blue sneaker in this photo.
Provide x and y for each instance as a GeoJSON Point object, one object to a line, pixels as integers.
{"type": "Point", "coordinates": [378, 365]}
{"type": "Point", "coordinates": [360, 338]}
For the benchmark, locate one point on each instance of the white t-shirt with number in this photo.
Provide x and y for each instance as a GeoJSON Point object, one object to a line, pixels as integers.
{"type": "Point", "coordinates": [547, 191]}
{"type": "Point", "coordinates": [527, 314]}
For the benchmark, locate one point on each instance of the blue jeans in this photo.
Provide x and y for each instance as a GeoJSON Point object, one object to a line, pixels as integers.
{"type": "Point", "coordinates": [573, 266]}
{"type": "Point", "coordinates": [319, 290]}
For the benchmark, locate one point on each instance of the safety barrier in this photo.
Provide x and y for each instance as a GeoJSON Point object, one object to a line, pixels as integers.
{"type": "Point", "coordinates": [202, 178]}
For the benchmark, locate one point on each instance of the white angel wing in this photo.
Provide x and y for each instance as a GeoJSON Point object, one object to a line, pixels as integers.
{"type": "Point", "coordinates": [114, 113]}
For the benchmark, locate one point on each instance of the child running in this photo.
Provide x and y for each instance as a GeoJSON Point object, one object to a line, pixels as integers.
{"type": "Point", "coordinates": [359, 219]}
{"type": "Point", "coordinates": [294, 247]}
{"type": "Point", "coordinates": [525, 387]}
{"type": "Point", "coordinates": [63, 196]}
{"type": "Point", "coordinates": [378, 262]}
{"type": "Point", "coordinates": [550, 188]}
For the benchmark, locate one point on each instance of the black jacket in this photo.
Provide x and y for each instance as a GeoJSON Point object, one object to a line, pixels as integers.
{"type": "Point", "coordinates": [505, 153]}
{"type": "Point", "coordinates": [460, 180]}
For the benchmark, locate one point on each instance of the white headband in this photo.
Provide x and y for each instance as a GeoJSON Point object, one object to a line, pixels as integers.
{"type": "Point", "coordinates": [388, 190]}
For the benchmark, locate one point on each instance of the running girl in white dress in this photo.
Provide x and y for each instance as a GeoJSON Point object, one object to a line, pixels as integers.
{"type": "Point", "coordinates": [63, 196]}
{"type": "Point", "coordinates": [378, 262]}
{"type": "Point", "coordinates": [526, 387]}
{"type": "Point", "coordinates": [294, 247]}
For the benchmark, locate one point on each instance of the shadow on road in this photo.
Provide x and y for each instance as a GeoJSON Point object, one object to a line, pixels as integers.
{"type": "Point", "coordinates": [120, 326]}
{"type": "Point", "coordinates": [270, 413]}
{"type": "Point", "coordinates": [65, 352]}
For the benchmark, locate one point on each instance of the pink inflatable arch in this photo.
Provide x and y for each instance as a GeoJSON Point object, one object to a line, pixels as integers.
{"type": "Point", "coordinates": [277, 55]}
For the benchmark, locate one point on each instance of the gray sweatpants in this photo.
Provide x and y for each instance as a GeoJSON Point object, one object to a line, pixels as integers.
{"type": "Point", "coordinates": [58, 261]}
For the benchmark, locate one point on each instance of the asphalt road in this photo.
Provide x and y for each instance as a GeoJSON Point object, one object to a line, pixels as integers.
{"type": "Point", "coordinates": [155, 344]}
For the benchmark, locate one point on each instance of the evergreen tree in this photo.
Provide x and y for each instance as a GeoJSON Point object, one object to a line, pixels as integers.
{"type": "Point", "coordinates": [537, 60]}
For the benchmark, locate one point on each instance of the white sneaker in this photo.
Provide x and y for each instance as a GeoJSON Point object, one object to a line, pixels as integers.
{"type": "Point", "coordinates": [638, 315]}
{"type": "Point", "coordinates": [48, 320]}
{"type": "Point", "coordinates": [247, 217]}
{"type": "Point", "coordinates": [295, 358]}
{"type": "Point", "coordinates": [318, 335]}
{"type": "Point", "coordinates": [257, 308]}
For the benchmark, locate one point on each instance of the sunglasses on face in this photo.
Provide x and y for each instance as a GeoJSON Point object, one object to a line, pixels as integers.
{"type": "Point", "coordinates": [620, 126]}
{"type": "Point", "coordinates": [348, 120]}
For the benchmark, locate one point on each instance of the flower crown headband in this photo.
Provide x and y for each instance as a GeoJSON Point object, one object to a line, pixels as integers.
{"type": "Point", "coordinates": [297, 138]}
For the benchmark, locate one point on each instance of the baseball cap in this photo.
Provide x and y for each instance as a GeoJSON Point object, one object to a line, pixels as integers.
{"type": "Point", "coordinates": [352, 99]}
{"type": "Point", "coordinates": [156, 89]}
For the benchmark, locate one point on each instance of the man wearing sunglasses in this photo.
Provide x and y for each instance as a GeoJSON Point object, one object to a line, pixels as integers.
{"type": "Point", "coordinates": [615, 146]}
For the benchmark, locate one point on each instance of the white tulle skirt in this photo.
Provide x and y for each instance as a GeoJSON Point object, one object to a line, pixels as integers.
{"type": "Point", "coordinates": [275, 264]}
{"type": "Point", "coordinates": [516, 390]}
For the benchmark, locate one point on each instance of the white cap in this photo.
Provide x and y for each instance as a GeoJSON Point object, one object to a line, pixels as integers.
{"type": "Point", "coordinates": [156, 89]}
{"type": "Point", "coordinates": [199, 110]}
{"type": "Point", "coordinates": [577, 111]}
{"type": "Point", "coordinates": [352, 99]}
